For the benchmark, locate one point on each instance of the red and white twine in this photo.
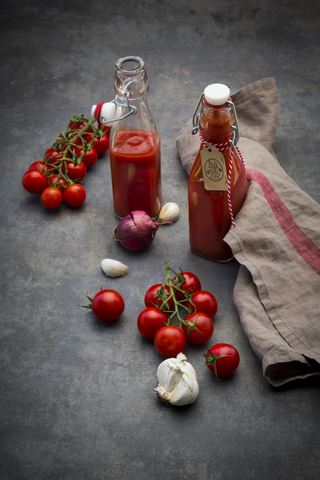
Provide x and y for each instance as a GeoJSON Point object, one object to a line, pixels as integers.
{"type": "Point", "coordinates": [222, 147]}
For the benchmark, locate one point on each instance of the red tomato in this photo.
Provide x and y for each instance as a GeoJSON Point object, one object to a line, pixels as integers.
{"type": "Point", "coordinates": [74, 195]}
{"type": "Point", "coordinates": [107, 305]}
{"type": "Point", "coordinates": [51, 197]}
{"type": "Point", "coordinates": [205, 302]}
{"type": "Point", "coordinates": [101, 144]}
{"type": "Point", "coordinates": [75, 126]}
{"type": "Point", "coordinates": [151, 301]}
{"type": "Point", "coordinates": [170, 341]}
{"type": "Point", "coordinates": [150, 321]}
{"type": "Point", "coordinates": [57, 155]}
{"type": "Point", "coordinates": [90, 157]}
{"type": "Point", "coordinates": [49, 152]}
{"type": "Point", "coordinates": [222, 359]}
{"type": "Point", "coordinates": [191, 284]}
{"type": "Point", "coordinates": [34, 181]}
{"type": "Point", "coordinates": [203, 323]}
{"type": "Point", "coordinates": [58, 182]}
{"type": "Point", "coordinates": [41, 166]}
{"type": "Point", "coordinates": [74, 171]}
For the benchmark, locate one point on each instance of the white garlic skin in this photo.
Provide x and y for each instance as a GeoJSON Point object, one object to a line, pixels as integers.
{"type": "Point", "coordinates": [177, 381]}
{"type": "Point", "coordinates": [169, 213]}
{"type": "Point", "coordinates": [113, 268]}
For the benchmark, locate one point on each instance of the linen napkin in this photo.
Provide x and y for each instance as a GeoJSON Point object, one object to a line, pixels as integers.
{"type": "Point", "coordinates": [277, 242]}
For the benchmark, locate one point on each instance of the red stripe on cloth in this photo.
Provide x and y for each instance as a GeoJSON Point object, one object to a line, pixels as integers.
{"type": "Point", "coordinates": [302, 244]}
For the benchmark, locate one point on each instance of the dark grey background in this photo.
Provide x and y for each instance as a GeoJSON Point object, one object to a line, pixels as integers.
{"type": "Point", "coordinates": [77, 397]}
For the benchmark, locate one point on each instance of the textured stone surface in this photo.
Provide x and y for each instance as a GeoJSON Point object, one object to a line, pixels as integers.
{"type": "Point", "coordinates": [76, 395]}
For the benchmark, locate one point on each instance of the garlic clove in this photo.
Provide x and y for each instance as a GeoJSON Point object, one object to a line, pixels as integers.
{"type": "Point", "coordinates": [169, 213]}
{"type": "Point", "coordinates": [177, 381]}
{"type": "Point", "coordinates": [113, 268]}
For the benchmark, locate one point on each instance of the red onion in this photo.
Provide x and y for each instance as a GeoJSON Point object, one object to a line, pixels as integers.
{"type": "Point", "coordinates": [136, 231]}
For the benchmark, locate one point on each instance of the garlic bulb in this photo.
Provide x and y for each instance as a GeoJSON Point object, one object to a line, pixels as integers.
{"type": "Point", "coordinates": [169, 213]}
{"type": "Point", "coordinates": [113, 268]}
{"type": "Point", "coordinates": [177, 381]}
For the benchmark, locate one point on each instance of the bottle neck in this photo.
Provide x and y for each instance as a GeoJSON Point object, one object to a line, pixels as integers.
{"type": "Point", "coordinates": [215, 123]}
{"type": "Point", "coordinates": [131, 78]}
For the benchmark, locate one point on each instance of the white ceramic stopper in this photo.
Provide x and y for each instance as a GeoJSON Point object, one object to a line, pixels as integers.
{"type": "Point", "coordinates": [217, 93]}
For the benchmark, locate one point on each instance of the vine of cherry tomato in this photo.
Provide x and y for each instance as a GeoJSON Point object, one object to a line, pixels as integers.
{"type": "Point", "coordinates": [66, 162]}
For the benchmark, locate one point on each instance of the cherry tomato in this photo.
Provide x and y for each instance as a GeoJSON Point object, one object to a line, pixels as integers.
{"type": "Point", "coordinates": [203, 323]}
{"type": "Point", "coordinates": [150, 320]}
{"type": "Point", "coordinates": [101, 144]}
{"type": "Point", "coordinates": [151, 301]}
{"type": "Point", "coordinates": [90, 157]}
{"type": "Point", "coordinates": [222, 359]}
{"type": "Point", "coordinates": [74, 195]}
{"type": "Point", "coordinates": [205, 302]}
{"type": "Point", "coordinates": [107, 305]}
{"type": "Point", "coordinates": [77, 126]}
{"type": "Point", "coordinates": [34, 181]}
{"type": "Point", "coordinates": [170, 341]}
{"type": "Point", "coordinates": [51, 197]}
{"type": "Point", "coordinates": [191, 284]}
{"type": "Point", "coordinates": [74, 171]}
{"type": "Point", "coordinates": [58, 182]}
{"type": "Point", "coordinates": [56, 156]}
{"type": "Point", "coordinates": [49, 152]}
{"type": "Point", "coordinates": [40, 165]}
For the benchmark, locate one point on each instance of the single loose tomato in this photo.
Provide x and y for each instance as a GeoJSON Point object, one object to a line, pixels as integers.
{"type": "Point", "coordinates": [204, 302]}
{"type": "Point", "coordinates": [107, 305]}
{"type": "Point", "coordinates": [170, 341]}
{"type": "Point", "coordinates": [89, 158]}
{"type": "Point", "coordinates": [51, 197]}
{"type": "Point", "coordinates": [74, 171]}
{"type": "Point", "coordinates": [74, 195]}
{"type": "Point", "coordinates": [101, 144]}
{"type": "Point", "coordinates": [203, 323]}
{"type": "Point", "coordinates": [34, 181]}
{"type": "Point", "coordinates": [58, 182]}
{"type": "Point", "coordinates": [151, 300]}
{"type": "Point", "coordinates": [191, 284]}
{"type": "Point", "coordinates": [150, 320]}
{"type": "Point", "coordinates": [222, 359]}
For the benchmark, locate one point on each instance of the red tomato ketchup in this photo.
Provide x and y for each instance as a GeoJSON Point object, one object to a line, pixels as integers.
{"type": "Point", "coordinates": [136, 172]}
{"type": "Point", "coordinates": [209, 214]}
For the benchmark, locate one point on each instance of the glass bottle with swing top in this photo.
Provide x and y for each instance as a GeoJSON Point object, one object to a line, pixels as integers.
{"type": "Point", "coordinates": [217, 184]}
{"type": "Point", "coordinates": [134, 141]}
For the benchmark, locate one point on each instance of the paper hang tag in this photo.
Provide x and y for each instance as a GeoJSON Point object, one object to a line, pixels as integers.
{"type": "Point", "coordinates": [214, 169]}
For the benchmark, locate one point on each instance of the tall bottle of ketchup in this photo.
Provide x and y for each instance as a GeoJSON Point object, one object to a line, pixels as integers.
{"type": "Point", "coordinates": [217, 183]}
{"type": "Point", "coordinates": [134, 141]}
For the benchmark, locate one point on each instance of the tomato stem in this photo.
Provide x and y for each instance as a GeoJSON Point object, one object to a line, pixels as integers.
{"type": "Point", "coordinates": [175, 287]}
{"type": "Point", "coordinates": [211, 359]}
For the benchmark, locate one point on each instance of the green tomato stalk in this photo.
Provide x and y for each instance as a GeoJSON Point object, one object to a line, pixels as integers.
{"type": "Point", "coordinates": [166, 297]}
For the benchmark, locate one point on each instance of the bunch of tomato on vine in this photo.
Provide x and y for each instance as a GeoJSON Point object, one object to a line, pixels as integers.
{"type": "Point", "coordinates": [177, 300]}
{"type": "Point", "coordinates": [66, 163]}
{"type": "Point", "coordinates": [181, 299]}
